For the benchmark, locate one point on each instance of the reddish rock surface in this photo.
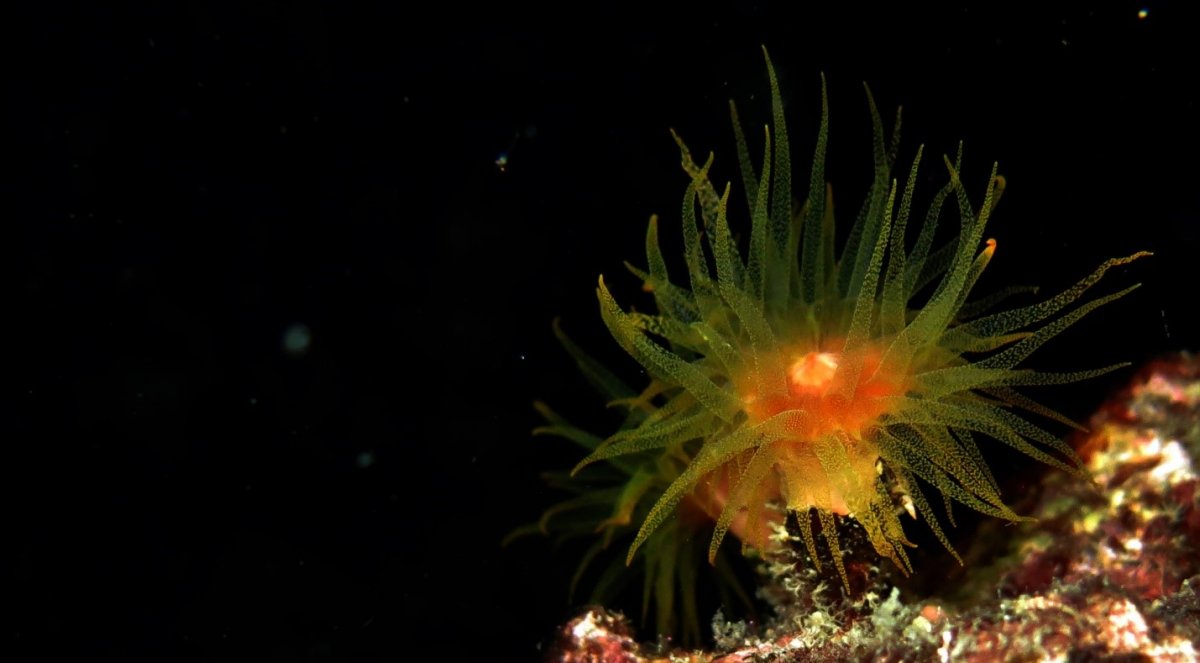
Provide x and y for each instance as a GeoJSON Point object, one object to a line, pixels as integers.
{"type": "Point", "coordinates": [1109, 571]}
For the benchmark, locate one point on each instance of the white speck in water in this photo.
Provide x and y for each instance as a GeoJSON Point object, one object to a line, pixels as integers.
{"type": "Point", "coordinates": [296, 339]}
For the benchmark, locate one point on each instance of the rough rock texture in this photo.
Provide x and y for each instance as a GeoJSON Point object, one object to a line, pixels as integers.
{"type": "Point", "coordinates": [1109, 571]}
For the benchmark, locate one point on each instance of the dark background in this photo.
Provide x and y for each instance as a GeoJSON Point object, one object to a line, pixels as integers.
{"type": "Point", "coordinates": [191, 182]}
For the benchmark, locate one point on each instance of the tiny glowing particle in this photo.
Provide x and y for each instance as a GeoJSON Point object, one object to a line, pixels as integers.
{"type": "Point", "coordinates": [297, 339]}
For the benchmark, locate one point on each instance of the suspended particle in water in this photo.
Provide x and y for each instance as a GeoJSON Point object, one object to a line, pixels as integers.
{"type": "Point", "coordinates": [297, 339]}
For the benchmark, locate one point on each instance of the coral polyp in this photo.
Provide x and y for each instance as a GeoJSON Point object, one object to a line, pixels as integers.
{"type": "Point", "coordinates": [863, 383]}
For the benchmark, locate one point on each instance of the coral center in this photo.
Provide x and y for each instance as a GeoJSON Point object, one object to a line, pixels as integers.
{"type": "Point", "coordinates": [836, 399]}
{"type": "Point", "coordinates": [812, 372]}
{"type": "Point", "coordinates": [827, 460]}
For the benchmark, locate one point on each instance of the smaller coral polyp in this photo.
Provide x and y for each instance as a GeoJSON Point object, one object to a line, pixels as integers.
{"type": "Point", "coordinates": [787, 377]}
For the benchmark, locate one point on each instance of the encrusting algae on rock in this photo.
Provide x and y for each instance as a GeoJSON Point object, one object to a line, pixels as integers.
{"type": "Point", "coordinates": [788, 377]}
